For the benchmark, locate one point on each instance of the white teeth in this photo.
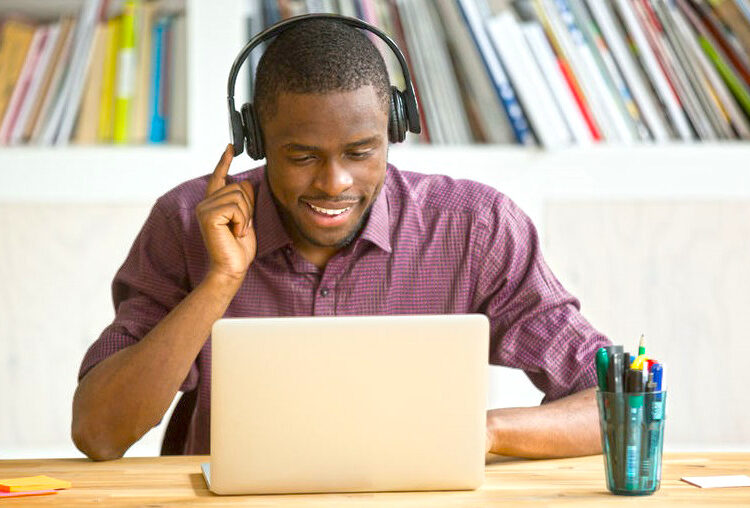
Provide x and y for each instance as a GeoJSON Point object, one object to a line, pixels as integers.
{"type": "Point", "coordinates": [328, 211]}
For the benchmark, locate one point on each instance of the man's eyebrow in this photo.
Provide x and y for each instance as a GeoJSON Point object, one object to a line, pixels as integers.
{"type": "Point", "coordinates": [300, 148]}
{"type": "Point", "coordinates": [362, 142]}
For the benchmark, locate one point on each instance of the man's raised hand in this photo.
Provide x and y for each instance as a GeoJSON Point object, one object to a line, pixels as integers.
{"type": "Point", "coordinates": [226, 222]}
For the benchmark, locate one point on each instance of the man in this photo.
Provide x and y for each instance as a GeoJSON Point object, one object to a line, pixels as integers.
{"type": "Point", "coordinates": [329, 228]}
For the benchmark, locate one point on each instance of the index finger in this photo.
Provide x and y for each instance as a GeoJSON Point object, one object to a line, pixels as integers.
{"type": "Point", "coordinates": [219, 177]}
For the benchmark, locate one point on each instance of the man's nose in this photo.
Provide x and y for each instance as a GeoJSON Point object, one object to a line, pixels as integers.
{"type": "Point", "coordinates": [333, 178]}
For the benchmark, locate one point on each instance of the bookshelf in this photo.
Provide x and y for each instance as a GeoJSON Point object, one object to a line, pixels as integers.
{"type": "Point", "coordinates": [136, 173]}
{"type": "Point", "coordinates": [217, 30]}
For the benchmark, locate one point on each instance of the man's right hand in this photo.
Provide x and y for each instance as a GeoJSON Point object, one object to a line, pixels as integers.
{"type": "Point", "coordinates": [226, 221]}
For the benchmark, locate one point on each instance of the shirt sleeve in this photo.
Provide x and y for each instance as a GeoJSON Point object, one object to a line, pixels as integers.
{"type": "Point", "coordinates": [535, 324]}
{"type": "Point", "coordinates": [150, 283]}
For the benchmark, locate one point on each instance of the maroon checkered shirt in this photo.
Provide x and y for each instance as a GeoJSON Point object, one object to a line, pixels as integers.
{"type": "Point", "coordinates": [431, 245]}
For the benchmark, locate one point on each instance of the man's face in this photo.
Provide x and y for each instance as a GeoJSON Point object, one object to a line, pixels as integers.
{"type": "Point", "coordinates": [326, 157]}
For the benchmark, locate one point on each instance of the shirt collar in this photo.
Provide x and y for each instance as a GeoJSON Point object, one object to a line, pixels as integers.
{"type": "Point", "coordinates": [378, 227]}
{"type": "Point", "coordinates": [271, 235]}
{"type": "Point", "coordinates": [269, 229]}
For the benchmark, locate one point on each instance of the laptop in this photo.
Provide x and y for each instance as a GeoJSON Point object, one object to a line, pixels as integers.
{"type": "Point", "coordinates": [348, 404]}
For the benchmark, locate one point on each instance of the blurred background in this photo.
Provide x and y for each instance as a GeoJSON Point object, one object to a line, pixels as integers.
{"type": "Point", "coordinates": [619, 126]}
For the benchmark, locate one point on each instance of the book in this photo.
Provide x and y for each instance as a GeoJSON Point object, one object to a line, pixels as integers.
{"type": "Point", "coordinates": [535, 96]}
{"type": "Point", "coordinates": [126, 68]}
{"type": "Point", "coordinates": [656, 73]}
{"type": "Point", "coordinates": [473, 15]}
{"type": "Point", "coordinates": [87, 125]}
{"type": "Point", "coordinates": [178, 127]}
{"type": "Point", "coordinates": [15, 40]}
{"type": "Point", "coordinates": [694, 78]}
{"type": "Point", "coordinates": [145, 13]}
{"type": "Point", "coordinates": [53, 81]}
{"type": "Point", "coordinates": [23, 82]}
{"type": "Point", "coordinates": [65, 109]}
{"type": "Point", "coordinates": [566, 70]}
{"type": "Point", "coordinates": [490, 116]}
{"type": "Point", "coordinates": [553, 75]}
{"type": "Point", "coordinates": [675, 74]}
{"type": "Point", "coordinates": [731, 14]}
{"type": "Point", "coordinates": [632, 72]}
{"type": "Point", "coordinates": [34, 95]}
{"type": "Point", "coordinates": [158, 112]}
{"type": "Point", "coordinates": [723, 40]}
{"type": "Point", "coordinates": [616, 125]}
{"type": "Point", "coordinates": [739, 121]}
{"type": "Point", "coordinates": [609, 69]}
{"type": "Point", "coordinates": [105, 132]}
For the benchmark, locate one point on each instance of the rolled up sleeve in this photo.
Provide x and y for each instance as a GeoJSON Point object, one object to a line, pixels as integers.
{"type": "Point", "coordinates": [536, 325]}
{"type": "Point", "coordinates": [150, 283]}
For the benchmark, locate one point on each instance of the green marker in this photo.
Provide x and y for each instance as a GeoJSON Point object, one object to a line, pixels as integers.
{"type": "Point", "coordinates": [602, 364]}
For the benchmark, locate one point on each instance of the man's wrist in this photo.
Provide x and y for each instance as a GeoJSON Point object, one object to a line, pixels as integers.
{"type": "Point", "coordinates": [223, 286]}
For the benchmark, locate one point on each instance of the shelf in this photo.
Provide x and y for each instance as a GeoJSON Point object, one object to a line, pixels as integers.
{"type": "Point", "coordinates": [114, 174]}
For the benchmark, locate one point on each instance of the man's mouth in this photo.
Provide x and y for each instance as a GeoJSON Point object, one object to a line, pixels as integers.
{"type": "Point", "coordinates": [329, 211]}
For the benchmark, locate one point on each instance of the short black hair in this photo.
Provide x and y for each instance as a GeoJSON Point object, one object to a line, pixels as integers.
{"type": "Point", "coordinates": [319, 56]}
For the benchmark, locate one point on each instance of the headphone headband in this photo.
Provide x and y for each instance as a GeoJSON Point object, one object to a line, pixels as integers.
{"type": "Point", "coordinates": [412, 112]}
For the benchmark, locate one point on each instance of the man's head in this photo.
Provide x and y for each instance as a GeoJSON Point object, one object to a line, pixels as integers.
{"type": "Point", "coordinates": [322, 95]}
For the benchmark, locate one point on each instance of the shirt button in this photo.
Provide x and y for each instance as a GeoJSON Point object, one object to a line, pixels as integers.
{"type": "Point", "coordinates": [324, 292]}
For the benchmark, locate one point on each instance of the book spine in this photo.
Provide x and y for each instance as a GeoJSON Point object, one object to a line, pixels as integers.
{"type": "Point", "coordinates": [566, 101]}
{"type": "Point", "coordinates": [109, 75]}
{"type": "Point", "coordinates": [157, 129]}
{"type": "Point", "coordinates": [21, 88]}
{"type": "Point", "coordinates": [126, 67]}
{"type": "Point", "coordinates": [655, 71]}
{"type": "Point", "coordinates": [533, 92]}
{"type": "Point", "coordinates": [503, 87]}
{"type": "Point", "coordinates": [33, 97]}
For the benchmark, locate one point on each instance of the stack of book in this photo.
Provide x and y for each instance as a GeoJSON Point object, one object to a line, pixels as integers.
{"type": "Point", "coordinates": [563, 72]}
{"type": "Point", "coordinates": [115, 73]}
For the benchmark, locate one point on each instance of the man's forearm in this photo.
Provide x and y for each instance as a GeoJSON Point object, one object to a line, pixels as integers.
{"type": "Point", "coordinates": [567, 427]}
{"type": "Point", "coordinates": [125, 395]}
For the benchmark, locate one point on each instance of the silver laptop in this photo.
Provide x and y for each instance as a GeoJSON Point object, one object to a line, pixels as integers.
{"type": "Point", "coordinates": [348, 404]}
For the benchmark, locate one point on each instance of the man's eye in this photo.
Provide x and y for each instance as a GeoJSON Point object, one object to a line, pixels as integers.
{"type": "Point", "coordinates": [359, 155]}
{"type": "Point", "coordinates": [301, 159]}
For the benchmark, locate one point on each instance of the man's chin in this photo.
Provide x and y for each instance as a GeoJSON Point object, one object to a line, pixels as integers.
{"type": "Point", "coordinates": [330, 241]}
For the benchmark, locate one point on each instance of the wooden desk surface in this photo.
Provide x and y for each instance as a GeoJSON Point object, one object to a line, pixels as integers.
{"type": "Point", "coordinates": [177, 481]}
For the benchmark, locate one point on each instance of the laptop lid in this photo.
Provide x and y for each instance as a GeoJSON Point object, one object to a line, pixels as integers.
{"type": "Point", "coordinates": [348, 404]}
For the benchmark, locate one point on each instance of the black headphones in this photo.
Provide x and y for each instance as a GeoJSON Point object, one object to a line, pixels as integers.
{"type": "Point", "coordinates": [403, 114]}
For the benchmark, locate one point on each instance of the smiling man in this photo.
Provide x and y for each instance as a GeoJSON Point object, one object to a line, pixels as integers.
{"type": "Point", "coordinates": [328, 227]}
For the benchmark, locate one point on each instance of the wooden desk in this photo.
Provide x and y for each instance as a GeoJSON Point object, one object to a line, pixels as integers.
{"type": "Point", "coordinates": [177, 481]}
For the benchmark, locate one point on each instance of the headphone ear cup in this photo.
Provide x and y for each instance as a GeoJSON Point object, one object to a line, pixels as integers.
{"type": "Point", "coordinates": [252, 132]}
{"type": "Point", "coordinates": [397, 123]}
{"type": "Point", "coordinates": [238, 134]}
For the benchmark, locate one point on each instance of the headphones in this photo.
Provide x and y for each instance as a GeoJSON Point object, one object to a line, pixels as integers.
{"type": "Point", "coordinates": [244, 127]}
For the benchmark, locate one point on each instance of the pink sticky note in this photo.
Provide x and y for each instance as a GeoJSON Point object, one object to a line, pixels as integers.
{"type": "Point", "coordinates": [27, 493]}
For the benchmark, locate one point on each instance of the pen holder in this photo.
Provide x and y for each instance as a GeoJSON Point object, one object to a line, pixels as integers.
{"type": "Point", "coordinates": [632, 432]}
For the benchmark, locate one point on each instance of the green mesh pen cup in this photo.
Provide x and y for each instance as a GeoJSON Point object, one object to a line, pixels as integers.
{"type": "Point", "coordinates": [632, 433]}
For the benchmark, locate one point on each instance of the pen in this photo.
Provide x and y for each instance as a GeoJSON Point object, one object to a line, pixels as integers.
{"type": "Point", "coordinates": [648, 436]}
{"type": "Point", "coordinates": [633, 429]}
{"type": "Point", "coordinates": [626, 361]}
{"type": "Point", "coordinates": [602, 362]}
{"type": "Point", "coordinates": [614, 382]}
{"type": "Point", "coordinates": [642, 346]}
{"type": "Point", "coordinates": [654, 417]}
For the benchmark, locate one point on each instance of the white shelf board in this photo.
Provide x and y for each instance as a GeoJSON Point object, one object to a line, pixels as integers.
{"type": "Point", "coordinates": [140, 174]}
